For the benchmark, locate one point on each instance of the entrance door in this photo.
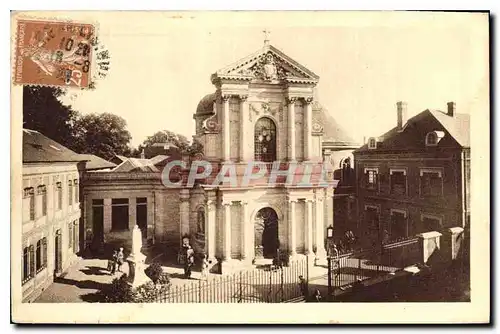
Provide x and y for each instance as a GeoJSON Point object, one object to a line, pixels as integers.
{"type": "Point", "coordinates": [97, 225]}
{"type": "Point", "coordinates": [266, 233]}
{"type": "Point", "coordinates": [58, 252]}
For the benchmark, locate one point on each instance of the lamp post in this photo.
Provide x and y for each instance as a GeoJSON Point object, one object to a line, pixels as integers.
{"type": "Point", "coordinates": [329, 237]}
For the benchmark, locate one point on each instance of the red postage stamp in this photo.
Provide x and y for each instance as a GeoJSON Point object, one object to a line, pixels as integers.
{"type": "Point", "coordinates": [53, 53]}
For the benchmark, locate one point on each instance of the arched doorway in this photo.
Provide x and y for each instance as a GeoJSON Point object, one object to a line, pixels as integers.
{"type": "Point", "coordinates": [266, 233]}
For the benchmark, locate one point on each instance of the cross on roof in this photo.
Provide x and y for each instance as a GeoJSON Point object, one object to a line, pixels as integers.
{"type": "Point", "coordinates": [266, 36]}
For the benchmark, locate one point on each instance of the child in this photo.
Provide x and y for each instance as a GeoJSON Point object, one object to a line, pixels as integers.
{"type": "Point", "coordinates": [112, 262]}
{"type": "Point", "coordinates": [204, 268]}
{"type": "Point", "coordinates": [119, 259]}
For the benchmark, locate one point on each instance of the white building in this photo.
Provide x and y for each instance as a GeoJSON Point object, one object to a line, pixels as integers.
{"type": "Point", "coordinates": [51, 212]}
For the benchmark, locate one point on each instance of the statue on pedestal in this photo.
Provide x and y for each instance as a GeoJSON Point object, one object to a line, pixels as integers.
{"type": "Point", "coordinates": [136, 260]}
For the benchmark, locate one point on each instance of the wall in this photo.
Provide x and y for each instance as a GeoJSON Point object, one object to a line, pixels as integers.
{"type": "Point", "coordinates": [446, 207]}
{"type": "Point", "coordinates": [46, 226]}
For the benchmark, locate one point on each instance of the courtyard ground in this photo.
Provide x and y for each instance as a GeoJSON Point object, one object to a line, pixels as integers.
{"type": "Point", "coordinates": [88, 276]}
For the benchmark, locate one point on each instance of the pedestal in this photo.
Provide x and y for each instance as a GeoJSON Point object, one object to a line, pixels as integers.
{"type": "Point", "coordinates": [136, 267]}
{"type": "Point", "coordinates": [320, 258]}
{"type": "Point", "coordinates": [430, 248]}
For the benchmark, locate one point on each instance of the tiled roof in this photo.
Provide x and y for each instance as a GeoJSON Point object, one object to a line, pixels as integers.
{"type": "Point", "coordinates": [457, 127]}
{"type": "Point", "coordinates": [95, 162]}
{"type": "Point", "coordinates": [39, 148]}
{"type": "Point", "coordinates": [134, 164]}
{"type": "Point", "coordinates": [157, 159]}
{"type": "Point", "coordinates": [332, 131]}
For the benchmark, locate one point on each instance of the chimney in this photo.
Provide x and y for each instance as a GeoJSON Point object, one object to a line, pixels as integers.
{"type": "Point", "coordinates": [143, 155]}
{"type": "Point", "coordinates": [402, 114]}
{"type": "Point", "coordinates": [451, 109]}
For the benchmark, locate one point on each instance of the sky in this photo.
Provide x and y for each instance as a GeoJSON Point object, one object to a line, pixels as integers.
{"type": "Point", "coordinates": [161, 63]}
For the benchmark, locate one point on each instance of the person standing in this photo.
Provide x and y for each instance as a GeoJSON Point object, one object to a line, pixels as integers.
{"type": "Point", "coordinates": [303, 287]}
{"type": "Point", "coordinates": [189, 262]}
{"type": "Point", "coordinates": [204, 268]}
{"type": "Point", "coordinates": [113, 262]}
{"type": "Point", "coordinates": [119, 259]}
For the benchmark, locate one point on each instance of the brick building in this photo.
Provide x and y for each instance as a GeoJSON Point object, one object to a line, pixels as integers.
{"type": "Point", "coordinates": [415, 178]}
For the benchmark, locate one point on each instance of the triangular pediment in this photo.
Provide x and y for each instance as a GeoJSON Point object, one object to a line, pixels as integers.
{"type": "Point", "coordinates": [267, 64]}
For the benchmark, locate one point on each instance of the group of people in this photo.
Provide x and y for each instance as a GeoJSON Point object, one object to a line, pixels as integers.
{"type": "Point", "coordinates": [188, 255]}
{"type": "Point", "coordinates": [116, 261]}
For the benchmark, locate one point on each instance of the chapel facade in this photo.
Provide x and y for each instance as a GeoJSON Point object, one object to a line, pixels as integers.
{"type": "Point", "coordinates": [263, 109]}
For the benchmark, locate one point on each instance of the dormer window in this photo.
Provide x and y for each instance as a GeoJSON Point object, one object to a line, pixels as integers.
{"type": "Point", "coordinates": [372, 143]}
{"type": "Point", "coordinates": [433, 138]}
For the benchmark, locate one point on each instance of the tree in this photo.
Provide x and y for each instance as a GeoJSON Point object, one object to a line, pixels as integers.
{"type": "Point", "coordinates": [166, 136]}
{"type": "Point", "coordinates": [104, 135]}
{"type": "Point", "coordinates": [44, 112]}
{"type": "Point", "coordinates": [170, 137]}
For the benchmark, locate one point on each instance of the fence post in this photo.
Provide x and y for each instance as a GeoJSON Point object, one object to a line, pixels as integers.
{"type": "Point", "coordinates": [359, 267]}
{"type": "Point", "coordinates": [240, 296]}
{"type": "Point", "coordinates": [199, 291]}
{"type": "Point", "coordinates": [282, 284]}
{"type": "Point", "coordinates": [329, 261]}
{"type": "Point", "coordinates": [307, 274]}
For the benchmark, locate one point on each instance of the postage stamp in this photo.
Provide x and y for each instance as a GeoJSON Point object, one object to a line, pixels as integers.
{"type": "Point", "coordinates": [53, 53]}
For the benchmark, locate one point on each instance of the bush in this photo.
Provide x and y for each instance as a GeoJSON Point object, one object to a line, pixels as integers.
{"type": "Point", "coordinates": [119, 291]}
{"type": "Point", "coordinates": [154, 272]}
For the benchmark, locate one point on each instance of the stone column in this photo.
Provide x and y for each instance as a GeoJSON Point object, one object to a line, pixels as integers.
{"type": "Point", "coordinates": [77, 236]}
{"type": "Point", "coordinates": [107, 217]}
{"type": "Point", "coordinates": [243, 128]}
{"type": "Point", "coordinates": [227, 231]}
{"type": "Point", "coordinates": [291, 128]}
{"type": "Point", "coordinates": [309, 226]}
{"type": "Point", "coordinates": [292, 232]}
{"type": "Point", "coordinates": [184, 212]}
{"type": "Point", "coordinates": [151, 219]}
{"type": "Point", "coordinates": [132, 213]}
{"type": "Point", "coordinates": [320, 229]}
{"type": "Point", "coordinates": [210, 229]}
{"type": "Point", "coordinates": [226, 140]}
{"type": "Point", "coordinates": [308, 129]}
{"type": "Point", "coordinates": [246, 240]}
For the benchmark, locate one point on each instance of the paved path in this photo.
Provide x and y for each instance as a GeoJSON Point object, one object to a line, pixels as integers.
{"type": "Point", "coordinates": [81, 280]}
{"type": "Point", "coordinates": [88, 276]}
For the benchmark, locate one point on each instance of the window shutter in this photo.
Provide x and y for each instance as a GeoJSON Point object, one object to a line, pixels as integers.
{"type": "Point", "coordinates": [44, 252]}
{"type": "Point", "coordinates": [32, 261]}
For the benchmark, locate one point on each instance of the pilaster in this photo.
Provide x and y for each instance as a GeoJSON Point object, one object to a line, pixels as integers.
{"type": "Point", "coordinates": [184, 212]}
{"type": "Point", "coordinates": [244, 133]}
{"type": "Point", "coordinates": [292, 243]}
{"type": "Point", "coordinates": [226, 140]}
{"type": "Point", "coordinates": [308, 129]}
{"type": "Point", "coordinates": [211, 210]}
{"type": "Point", "coordinates": [291, 127]}
{"type": "Point", "coordinates": [226, 209]}
{"type": "Point", "coordinates": [309, 227]}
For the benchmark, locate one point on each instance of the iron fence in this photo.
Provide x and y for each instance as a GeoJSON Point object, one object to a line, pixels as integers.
{"type": "Point", "coordinates": [357, 266]}
{"type": "Point", "coordinates": [267, 285]}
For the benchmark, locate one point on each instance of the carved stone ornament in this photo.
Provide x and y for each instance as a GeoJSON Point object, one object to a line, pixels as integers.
{"type": "Point", "coordinates": [268, 68]}
{"type": "Point", "coordinates": [316, 127]}
{"type": "Point", "coordinates": [265, 109]}
{"type": "Point", "coordinates": [211, 125]}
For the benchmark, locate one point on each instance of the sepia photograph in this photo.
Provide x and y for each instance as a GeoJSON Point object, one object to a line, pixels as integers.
{"type": "Point", "coordinates": [292, 158]}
